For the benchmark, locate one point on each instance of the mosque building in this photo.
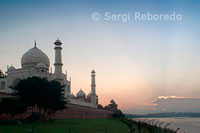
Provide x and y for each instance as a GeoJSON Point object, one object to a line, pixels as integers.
{"type": "Point", "coordinates": [36, 63]}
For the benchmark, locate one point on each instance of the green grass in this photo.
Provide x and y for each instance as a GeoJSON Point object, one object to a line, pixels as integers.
{"type": "Point", "coordinates": [76, 125]}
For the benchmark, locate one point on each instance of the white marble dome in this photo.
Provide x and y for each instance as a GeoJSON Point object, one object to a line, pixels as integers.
{"type": "Point", "coordinates": [11, 68]}
{"type": "Point", "coordinates": [33, 57]}
{"type": "Point", "coordinates": [81, 94]}
{"type": "Point", "coordinates": [41, 66]}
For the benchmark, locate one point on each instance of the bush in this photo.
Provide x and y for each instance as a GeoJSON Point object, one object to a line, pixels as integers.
{"type": "Point", "coordinates": [12, 106]}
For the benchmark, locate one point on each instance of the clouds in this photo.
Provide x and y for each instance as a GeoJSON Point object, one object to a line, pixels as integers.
{"type": "Point", "coordinates": [176, 104]}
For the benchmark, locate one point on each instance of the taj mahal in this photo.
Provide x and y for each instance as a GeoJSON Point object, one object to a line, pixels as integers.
{"type": "Point", "coordinates": [36, 63]}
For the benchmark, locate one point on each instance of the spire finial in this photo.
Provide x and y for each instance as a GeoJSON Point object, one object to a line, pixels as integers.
{"type": "Point", "coordinates": [35, 43]}
{"type": "Point", "coordinates": [93, 71]}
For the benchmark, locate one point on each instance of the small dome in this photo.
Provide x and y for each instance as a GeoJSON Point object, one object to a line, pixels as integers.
{"type": "Point", "coordinates": [93, 71]}
{"type": "Point", "coordinates": [81, 94]}
{"type": "Point", "coordinates": [89, 95]}
{"type": "Point", "coordinates": [71, 95]}
{"type": "Point", "coordinates": [41, 66]}
{"type": "Point", "coordinates": [11, 68]}
{"type": "Point", "coordinates": [33, 57]}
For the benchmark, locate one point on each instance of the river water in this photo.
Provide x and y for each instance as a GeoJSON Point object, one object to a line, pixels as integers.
{"type": "Point", "coordinates": [186, 125]}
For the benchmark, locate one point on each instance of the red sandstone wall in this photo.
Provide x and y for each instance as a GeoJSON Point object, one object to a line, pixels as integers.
{"type": "Point", "coordinates": [72, 111]}
{"type": "Point", "coordinates": [75, 111]}
{"type": "Point", "coordinates": [5, 94]}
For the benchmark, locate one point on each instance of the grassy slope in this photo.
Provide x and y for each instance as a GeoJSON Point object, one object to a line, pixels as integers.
{"type": "Point", "coordinates": [76, 125]}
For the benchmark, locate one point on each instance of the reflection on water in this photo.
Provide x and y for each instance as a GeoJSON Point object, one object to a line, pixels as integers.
{"type": "Point", "coordinates": [187, 125]}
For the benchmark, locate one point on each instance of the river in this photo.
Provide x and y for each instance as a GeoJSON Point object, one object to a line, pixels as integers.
{"type": "Point", "coordinates": [186, 125]}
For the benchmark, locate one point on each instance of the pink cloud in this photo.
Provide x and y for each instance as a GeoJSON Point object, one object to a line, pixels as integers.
{"type": "Point", "coordinates": [176, 104]}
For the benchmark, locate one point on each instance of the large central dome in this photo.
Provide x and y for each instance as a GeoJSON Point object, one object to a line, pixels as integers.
{"type": "Point", "coordinates": [33, 57]}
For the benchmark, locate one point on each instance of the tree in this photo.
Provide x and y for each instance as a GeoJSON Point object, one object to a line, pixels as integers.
{"type": "Point", "coordinates": [45, 95]}
{"type": "Point", "coordinates": [55, 100]}
{"type": "Point", "coordinates": [12, 106]}
{"type": "Point", "coordinates": [100, 106]}
{"type": "Point", "coordinates": [2, 75]}
{"type": "Point", "coordinates": [118, 113]}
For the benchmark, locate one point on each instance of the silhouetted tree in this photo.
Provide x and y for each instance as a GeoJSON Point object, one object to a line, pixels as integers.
{"type": "Point", "coordinates": [12, 106]}
{"type": "Point", "coordinates": [55, 100]}
{"type": "Point", "coordinates": [2, 75]}
{"type": "Point", "coordinates": [100, 106]}
{"type": "Point", "coordinates": [46, 95]}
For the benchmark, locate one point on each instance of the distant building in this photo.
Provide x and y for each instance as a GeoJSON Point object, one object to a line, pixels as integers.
{"type": "Point", "coordinates": [36, 63]}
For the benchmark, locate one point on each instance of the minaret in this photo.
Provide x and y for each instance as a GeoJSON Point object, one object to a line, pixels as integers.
{"type": "Point", "coordinates": [70, 81]}
{"type": "Point", "coordinates": [93, 88]}
{"type": "Point", "coordinates": [58, 58]}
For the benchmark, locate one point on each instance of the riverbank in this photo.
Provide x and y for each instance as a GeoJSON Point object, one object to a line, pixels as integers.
{"type": "Point", "coordinates": [75, 126]}
{"type": "Point", "coordinates": [184, 124]}
{"type": "Point", "coordinates": [143, 127]}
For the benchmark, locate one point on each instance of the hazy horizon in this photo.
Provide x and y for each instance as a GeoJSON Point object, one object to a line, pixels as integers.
{"type": "Point", "coordinates": [136, 62]}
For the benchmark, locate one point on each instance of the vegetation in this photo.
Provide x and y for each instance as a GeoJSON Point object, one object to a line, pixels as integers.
{"type": "Point", "coordinates": [40, 93]}
{"type": "Point", "coordinates": [140, 127]}
{"type": "Point", "coordinates": [79, 126]}
{"type": "Point", "coordinates": [70, 126]}
{"type": "Point", "coordinates": [2, 75]}
{"type": "Point", "coordinates": [12, 106]}
{"type": "Point", "coordinates": [114, 108]}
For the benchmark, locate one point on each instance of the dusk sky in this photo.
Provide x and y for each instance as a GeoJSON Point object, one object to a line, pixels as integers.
{"type": "Point", "coordinates": [136, 62]}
